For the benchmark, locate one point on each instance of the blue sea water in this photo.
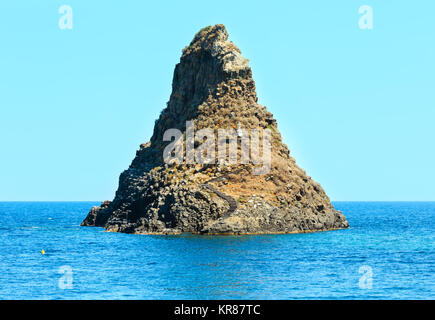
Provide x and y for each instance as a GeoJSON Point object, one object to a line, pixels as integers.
{"type": "Point", "coordinates": [391, 243]}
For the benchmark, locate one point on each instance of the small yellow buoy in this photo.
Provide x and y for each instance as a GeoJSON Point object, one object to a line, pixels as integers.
{"type": "Point", "coordinates": [42, 251]}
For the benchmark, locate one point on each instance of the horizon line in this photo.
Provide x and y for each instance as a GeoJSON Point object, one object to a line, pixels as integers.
{"type": "Point", "coordinates": [109, 200]}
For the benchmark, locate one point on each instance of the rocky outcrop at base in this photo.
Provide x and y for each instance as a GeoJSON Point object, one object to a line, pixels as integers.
{"type": "Point", "coordinates": [213, 88]}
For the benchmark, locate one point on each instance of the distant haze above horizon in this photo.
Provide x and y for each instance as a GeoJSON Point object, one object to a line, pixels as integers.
{"type": "Point", "coordinates": [355, 107]}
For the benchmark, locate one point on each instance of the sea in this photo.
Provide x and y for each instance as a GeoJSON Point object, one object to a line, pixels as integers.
{"type": "Point", "coordinates": [387, 253]}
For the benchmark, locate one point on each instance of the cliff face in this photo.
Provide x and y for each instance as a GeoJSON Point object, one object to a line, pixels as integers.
{"type": "Point", "coordinates": [213, 88]}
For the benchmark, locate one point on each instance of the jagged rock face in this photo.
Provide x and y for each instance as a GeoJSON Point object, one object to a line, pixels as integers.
{"type": "Point", "coordinates": [213, 86]}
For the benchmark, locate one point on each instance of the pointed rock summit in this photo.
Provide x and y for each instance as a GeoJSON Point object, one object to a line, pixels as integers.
{"type": "Point", "coordinates": [247, 192]}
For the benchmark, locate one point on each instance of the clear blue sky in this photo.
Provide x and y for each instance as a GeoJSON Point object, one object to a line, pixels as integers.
{"type": "Point", "coordinates": [356, 107]}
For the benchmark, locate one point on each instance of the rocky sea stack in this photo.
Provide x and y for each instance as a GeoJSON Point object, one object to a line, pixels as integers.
{"type": "Point", "coordinates": [213, 88]}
